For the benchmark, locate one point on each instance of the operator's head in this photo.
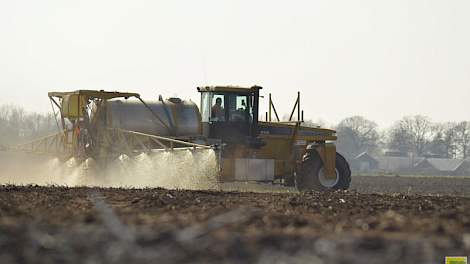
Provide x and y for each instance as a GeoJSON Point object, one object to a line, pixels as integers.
{"type": "Point", "coordinates": [218, 101]}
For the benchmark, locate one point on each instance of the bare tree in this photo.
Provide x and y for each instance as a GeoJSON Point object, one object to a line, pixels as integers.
{"type": "Point", "coordinates": [450, 139]}
{"type": "Point", "coordinates": [411, 133]}
{"type": "Point", "coordinates": [443, 141]}
{"type": "Point", "coordinates": [17, 125]}
{"type": "Point", "coordinates": [400, 138]}
{"type": "Point", "coordinates": [462, 131]}
{"type": "Point", "coordinates": [355, 135]}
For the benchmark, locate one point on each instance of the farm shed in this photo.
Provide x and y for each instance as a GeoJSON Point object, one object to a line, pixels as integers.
{"type": "Point", "coordinates": [440, 166]}
{"type": "Point", "coordinates": [365, 162]}
{"type": "Point", "coordinates": [398, 164]}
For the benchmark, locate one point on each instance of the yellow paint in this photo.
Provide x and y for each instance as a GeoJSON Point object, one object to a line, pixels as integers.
{"type": "Point", "coordinates": [292, 124]}
{"type": "Point", "coordinates": [73, 105]}
{"type": "Point", "coordinates": [456, 260]}
{"type": "Point", "coordinates": [327, 153]}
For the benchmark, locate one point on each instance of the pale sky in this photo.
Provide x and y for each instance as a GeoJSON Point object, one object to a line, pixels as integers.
{"type": "Point", "coordinates": [379, 59]}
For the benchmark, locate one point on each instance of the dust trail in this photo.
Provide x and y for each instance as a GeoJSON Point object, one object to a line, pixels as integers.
{"type": "Point", "coordinates": [178, 169]}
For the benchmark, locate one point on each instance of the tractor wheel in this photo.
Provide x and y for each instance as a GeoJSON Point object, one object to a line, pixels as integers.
{"type": "Point", "coordinates": [311, 174]}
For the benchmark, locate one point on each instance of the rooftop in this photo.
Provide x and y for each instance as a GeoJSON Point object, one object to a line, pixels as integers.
{"type": "Point", "coordinates": [94, 94]}
{"type": "Point", "coordinates": [229, 88]}
{"type": "Point", "coordinates": [444, 164]}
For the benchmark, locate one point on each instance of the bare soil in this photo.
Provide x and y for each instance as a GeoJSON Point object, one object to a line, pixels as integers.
{"type": "Point", "coordinates": [427, 185]}
{"type": "Point", "coordinates": [103, 225]}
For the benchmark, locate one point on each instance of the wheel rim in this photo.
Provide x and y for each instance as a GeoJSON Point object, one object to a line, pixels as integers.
{"type": "Point", "coordinates": [326, 182]}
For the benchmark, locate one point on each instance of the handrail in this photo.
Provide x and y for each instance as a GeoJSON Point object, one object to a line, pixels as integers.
{"type": "Point", "coordinates": [41, 139]}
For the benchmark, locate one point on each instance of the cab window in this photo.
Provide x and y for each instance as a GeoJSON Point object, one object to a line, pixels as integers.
{"type": "Point", "coordinates": [240, 110]}
{"type": "Point", "coordinates": [218, 108]}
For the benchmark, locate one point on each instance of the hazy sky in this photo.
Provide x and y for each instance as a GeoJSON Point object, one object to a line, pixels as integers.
{"type": "Point", "coordinates": [380, 59]}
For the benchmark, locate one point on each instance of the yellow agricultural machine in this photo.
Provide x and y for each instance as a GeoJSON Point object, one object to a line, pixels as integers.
{"type": "Point", "coordinates": [102, 126]}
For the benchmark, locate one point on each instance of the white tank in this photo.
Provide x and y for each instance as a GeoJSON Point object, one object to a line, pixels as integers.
{"type": "Point", "coordinates": [182, 118]}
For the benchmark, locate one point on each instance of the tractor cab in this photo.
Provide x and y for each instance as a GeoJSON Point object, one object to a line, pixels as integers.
{"type": "Point", "coordinates": [230, 113]}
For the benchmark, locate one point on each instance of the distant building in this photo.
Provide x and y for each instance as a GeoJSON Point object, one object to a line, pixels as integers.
{"type": "Point", "coordinates": [398, 164]}
{"type": "Point", "coordinates": [395, 153]}
{"type": "Point", "coordinates": [433, 155]}
{"type": "Point", "coordinates": [365, 162]}
{"type": "Point", "coordinates": [440, 166]}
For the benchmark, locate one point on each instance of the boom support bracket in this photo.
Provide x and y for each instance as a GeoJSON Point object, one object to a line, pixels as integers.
{"type": "Point", "coordinates": [327, 153]}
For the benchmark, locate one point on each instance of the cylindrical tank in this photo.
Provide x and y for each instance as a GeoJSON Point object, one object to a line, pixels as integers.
{"type": "Point", "coordinates": [182, 118]}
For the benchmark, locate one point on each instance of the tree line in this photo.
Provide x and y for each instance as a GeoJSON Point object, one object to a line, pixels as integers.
{"type": "Point", "coordinates": [18, 125]}
{"type": "Point", "coordinates": [412, 134]}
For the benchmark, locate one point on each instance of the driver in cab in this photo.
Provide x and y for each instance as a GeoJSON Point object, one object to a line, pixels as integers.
{"type": "Point", "coordinates": [217, 111]}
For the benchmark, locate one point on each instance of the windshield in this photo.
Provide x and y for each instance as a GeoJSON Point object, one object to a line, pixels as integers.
{"type": "Point", "coordinates": [220, 107]}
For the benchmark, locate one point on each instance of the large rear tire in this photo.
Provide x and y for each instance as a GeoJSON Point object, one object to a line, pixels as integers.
{"type": "Point", "coordinates": [311, 174]}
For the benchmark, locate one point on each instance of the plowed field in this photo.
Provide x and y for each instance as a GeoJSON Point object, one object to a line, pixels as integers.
{"type": "Point", "coordinates": [99, 225]}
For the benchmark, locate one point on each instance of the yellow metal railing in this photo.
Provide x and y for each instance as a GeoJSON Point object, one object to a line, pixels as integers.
{"type": "Point", "coordinates": [52, 144]}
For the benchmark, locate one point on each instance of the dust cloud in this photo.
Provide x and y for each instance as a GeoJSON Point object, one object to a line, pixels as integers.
{"type": "Point", "coordinates": [177, 169]}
